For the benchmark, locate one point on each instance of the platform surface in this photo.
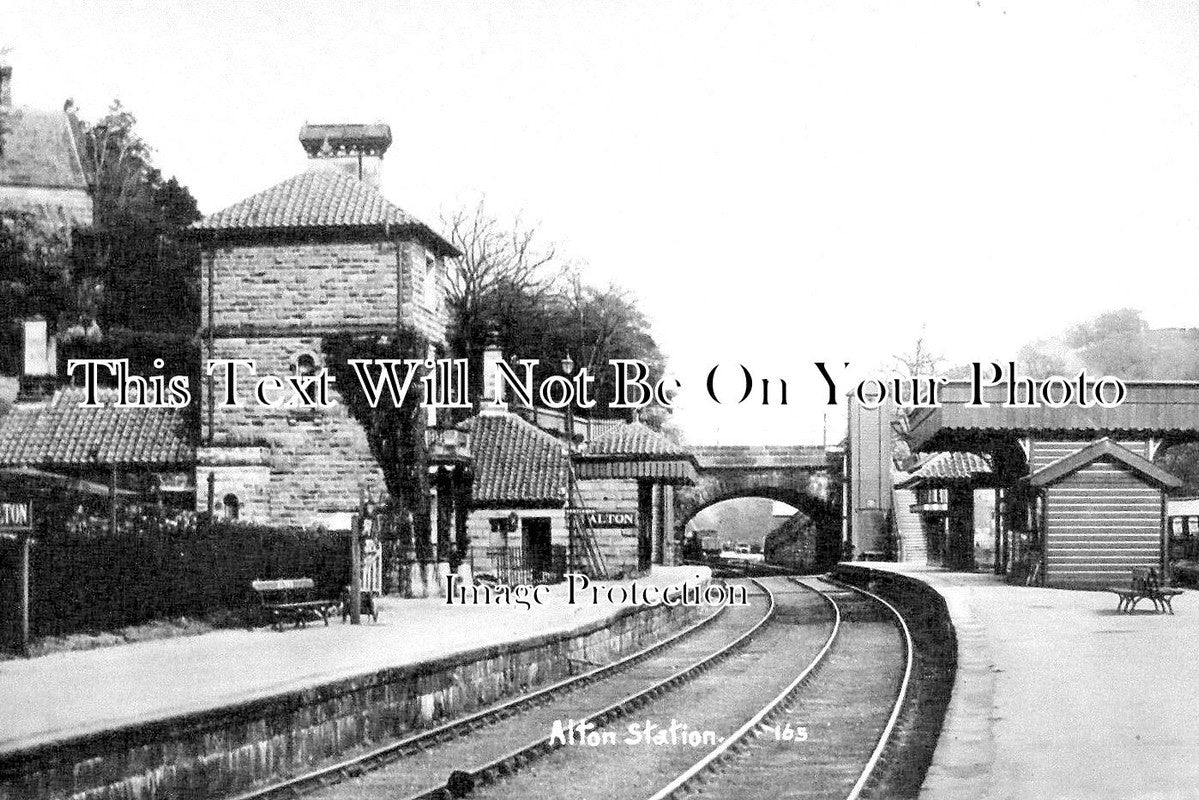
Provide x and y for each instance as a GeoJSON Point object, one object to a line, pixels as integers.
{"type": "Point", "coordinates": [1060, 696]}
{"type": "Point", "coordinates": [65, 694]}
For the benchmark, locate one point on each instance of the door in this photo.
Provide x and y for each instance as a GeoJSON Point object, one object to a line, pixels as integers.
{"type": "Point", "coordinates": [535, 538]}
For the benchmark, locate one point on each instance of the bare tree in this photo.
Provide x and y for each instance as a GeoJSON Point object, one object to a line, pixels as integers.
{"type": "Point", "coordinates": [920, 360]}
{"type": "Point", "coordinates": [505, 270]}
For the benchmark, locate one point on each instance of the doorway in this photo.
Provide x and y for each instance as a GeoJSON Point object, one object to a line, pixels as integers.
{"type": "Point", "coordinates": [535, 540]}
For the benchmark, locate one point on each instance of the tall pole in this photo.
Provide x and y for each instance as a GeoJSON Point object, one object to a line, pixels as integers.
{"type": "Point", "coordinates": [112, 501]}
{"type": "Point", "coordinates": [570, 488]}
{"type": "Point", "coordinates": [355, 569]}
{"type": "Point", "coordinates": [23, 589]}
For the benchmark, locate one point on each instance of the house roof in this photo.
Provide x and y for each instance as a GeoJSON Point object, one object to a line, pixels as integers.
{"type": "Point", "coordinates": [516, 464]}
{"type": "Point", "coordinates": [1100, 449]}
{"type": "Point", "coordinates": [60, 433]}
{"type": "Point", "coordinates": [638, 440]}
{"type": "Point", "coordinates": [39, 149]}
{"type": "Point", "coordinates": [947, 467]}
{"type": "Point", "coordinates": [318, 199]}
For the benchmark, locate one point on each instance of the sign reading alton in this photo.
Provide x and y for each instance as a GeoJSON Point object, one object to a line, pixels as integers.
{"type": "Point", "coordinates": [606, 519]}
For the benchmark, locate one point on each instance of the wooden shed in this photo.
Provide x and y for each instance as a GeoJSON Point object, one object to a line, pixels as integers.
{"type": "Point", "coordinates": [1101, 512]}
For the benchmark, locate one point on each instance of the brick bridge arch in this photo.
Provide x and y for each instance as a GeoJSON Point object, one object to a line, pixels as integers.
{"type": "Point", "coordinates": [804, 476]}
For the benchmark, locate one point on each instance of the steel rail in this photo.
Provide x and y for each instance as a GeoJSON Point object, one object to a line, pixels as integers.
{"type": "Point", "coordinates": [741, 736]}
{"type": "Point", "coordinates": [738, 737]}
{"type": "Point", "coordinates": [885, 738]}
{"type": "Point", "coordinates": [391, 752]}
{"type": "Point", "coordinates": [515, 759]}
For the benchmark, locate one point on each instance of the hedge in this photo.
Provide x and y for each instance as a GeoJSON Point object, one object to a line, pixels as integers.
{"type": "Point", "coordinates": [83, 578]}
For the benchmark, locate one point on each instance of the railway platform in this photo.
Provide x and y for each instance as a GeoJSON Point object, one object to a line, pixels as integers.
{"type": "Point", "coordinates": [1058, 695]}
{"type": "Point", "coordinates": [64, 696]}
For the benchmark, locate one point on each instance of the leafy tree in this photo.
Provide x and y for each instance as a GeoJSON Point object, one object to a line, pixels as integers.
{"type": "Point", "coordinates": [36, 277]}
{"type": "Point", "coordinates": [136, 251]}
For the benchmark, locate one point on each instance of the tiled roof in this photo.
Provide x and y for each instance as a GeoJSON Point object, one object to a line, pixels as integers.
{"type": "Point", "coordinates": [948, 466]}
{"type": "Point", "coordinates": [638, 440]}
{"type": "Point", "coordinates": [516, 463]}
{"type": "Point", "coordinates": [316, 198]}
{"type": "Point", "coordinates": [39, 150]}
{"type": "Point", "coordinates": [60, 433]}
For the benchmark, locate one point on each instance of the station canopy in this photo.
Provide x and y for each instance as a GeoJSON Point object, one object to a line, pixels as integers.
{"type": "Point", "coordinates": [637, 451]}
{"type": "Point", "coordinates": [1166, 410]}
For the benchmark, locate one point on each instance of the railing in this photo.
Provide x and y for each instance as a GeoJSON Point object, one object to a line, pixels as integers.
{"type": "Point", "coordinates": [584, 427]}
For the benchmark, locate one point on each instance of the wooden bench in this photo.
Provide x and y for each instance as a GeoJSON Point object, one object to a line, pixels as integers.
{"type": "Point", "coordinates": [1145, 585]}
{"type": "Point", "coordinates": [292, 599]}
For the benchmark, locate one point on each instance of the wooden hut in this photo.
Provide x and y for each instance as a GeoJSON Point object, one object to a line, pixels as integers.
{"type": "Point", "coordinates": [1102, 513]}
{"type": "Point", "coordinates": [1079, 500]}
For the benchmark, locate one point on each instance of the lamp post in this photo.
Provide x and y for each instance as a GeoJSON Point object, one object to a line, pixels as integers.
{"type": "Point", "coordinates": [568, 367]}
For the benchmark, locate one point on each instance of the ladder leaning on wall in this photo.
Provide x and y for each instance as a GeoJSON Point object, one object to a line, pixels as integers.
{"type": "Point", "coordinates": [584, 535]}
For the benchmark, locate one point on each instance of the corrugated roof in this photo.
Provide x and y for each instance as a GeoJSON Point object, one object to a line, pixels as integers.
{"type": "Point", "coordinates": [39, 150]}
{"type": "Point", "coordinates": [1103, 448]}
{"type": "Point", "coordinates": [516, 463]}
{"type": "Point", "coordinates": [60, 433]}
{"type": "Point", "coordinates": [317, 199]}
{"type": "Point", "coordinates": [635, 439]}
{"type": "Point", "coordinates": [1151, 407]}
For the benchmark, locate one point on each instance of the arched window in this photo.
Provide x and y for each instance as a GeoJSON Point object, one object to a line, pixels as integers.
{"type": "Point", "coordinates": [306, 364]}
{"type": "Point", "coordinates": [232, 506]}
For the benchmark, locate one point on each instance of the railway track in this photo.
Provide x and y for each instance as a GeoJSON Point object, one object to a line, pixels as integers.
{"type": "Point", "coordinates": [495, 742]}
{"type": "Point", "coordinates": [841, 710]}
{"type": "Point", "coordinates": [831, 668]}
{"type": "Point", "coordinates": [796, 695]}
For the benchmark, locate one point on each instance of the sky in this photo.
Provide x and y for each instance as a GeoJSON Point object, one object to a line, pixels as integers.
{"type": "Point", "coordinates": [779, 183]}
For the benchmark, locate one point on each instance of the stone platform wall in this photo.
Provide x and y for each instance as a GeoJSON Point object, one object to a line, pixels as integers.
{"type": "Point", "coordinates": [225, 751]}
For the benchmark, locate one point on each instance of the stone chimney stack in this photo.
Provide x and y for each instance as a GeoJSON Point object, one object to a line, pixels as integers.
{"type": "Point", "coordinates": [354, 149]}
{"type": "Point", "coordinates": [41, 348]}
{"type": "Point", "coordinates": [493, 388]}
{"type": "Point", "coordinates": [5, 85]}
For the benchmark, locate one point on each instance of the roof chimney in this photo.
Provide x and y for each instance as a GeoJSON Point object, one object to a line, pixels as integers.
{"type": "Point", "coordinates": [493, 388]}
{"type": "Point", "coordinates": [5, 85]}
{"type": "Point", "coordinates": [354, 149]}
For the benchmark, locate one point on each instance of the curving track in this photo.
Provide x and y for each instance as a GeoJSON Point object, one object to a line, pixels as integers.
{"type": "Point", "coordinates": [495, 742]}
{"type": "Point", "coordinates": [796, 695]}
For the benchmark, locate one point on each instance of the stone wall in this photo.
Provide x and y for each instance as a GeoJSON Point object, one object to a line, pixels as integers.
{"type": "Point", "coordinates": [478, 527]}
{"type": "Point", "coordinates": [318, 459]}
{"type": "Point", "coordinates": [618, 545]}
{"type": "Point", "coordinates": [64, 206]}
{"type": "Point", "coordinates": [325, 285]}
{"type": "Point", "coordinates": [228, 750]}
{"type": "Point", "coordinates": [272, 303]}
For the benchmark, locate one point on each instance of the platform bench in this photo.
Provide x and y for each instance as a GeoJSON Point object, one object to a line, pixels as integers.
{"type": "Point", "coordinates": [1144, 585]}
{"type": "Point", "coordinates": [294, 600]}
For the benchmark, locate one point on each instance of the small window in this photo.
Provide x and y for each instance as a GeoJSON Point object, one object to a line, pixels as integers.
{"type": "Point", "coordinates": [232, 507]}
{"type": "Point", "coordinates": [1193, 526]}
{"type": "Point", "coordinates": [1176, 526]}
{"type": "Point", "coordinates": [306, 364]}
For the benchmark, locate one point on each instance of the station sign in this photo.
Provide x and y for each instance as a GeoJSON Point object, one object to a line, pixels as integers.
{"type": "Point", "coordinates": [16, 516]}
{"type": "Point", "coordinates": [594, 518]}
